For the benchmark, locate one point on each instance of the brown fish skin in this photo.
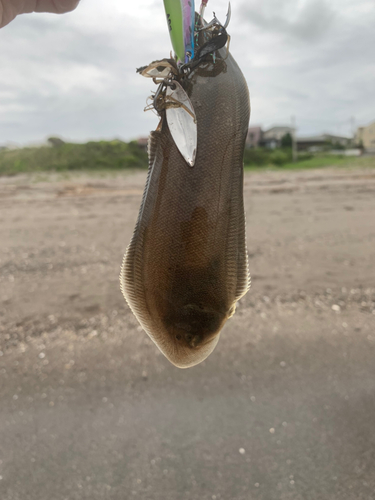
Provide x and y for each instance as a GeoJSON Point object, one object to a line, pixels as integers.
{"type": "Point", "coordinates": [186, 265]}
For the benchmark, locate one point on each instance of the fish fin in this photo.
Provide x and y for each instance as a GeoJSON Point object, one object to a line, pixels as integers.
{"type": "Point", "coordinates": [243, 275]}
{"type": "Point", "coordinates": [239, 273]}
{"type": "Point", "coordinates": [152, 147]}
{"type": "Point", "coordinates": [131, 282]}
{"type": "Point", "coordinates": [129, 269]}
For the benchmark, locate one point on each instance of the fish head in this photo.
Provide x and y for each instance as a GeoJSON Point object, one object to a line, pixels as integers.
{"type": "Point", "coordinates": [188, 350]}
{"type": "Point", "coordinates": [192, 334]}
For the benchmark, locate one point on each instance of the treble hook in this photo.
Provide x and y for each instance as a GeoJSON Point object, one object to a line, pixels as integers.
{"type": "Point", "coordinates": [156, 96]}
{"type": "Point", "coordinates": [201, 11]}
{"type": "Point", "coordinates": [215, 20]}
{"type": "Point", "coordinates": [211, 23]}
{"type": "Point", "coordinates": [229, 14]}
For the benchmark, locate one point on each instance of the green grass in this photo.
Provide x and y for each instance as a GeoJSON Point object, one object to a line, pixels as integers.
{"type": "Point", "coordinates": [319, 162]}
{"type": "Point", "coordinates": [101, 155]}
{"type": "Point", "coordinates": [326, 161]}
{"type": "Point", "coordinates": [113, 156]}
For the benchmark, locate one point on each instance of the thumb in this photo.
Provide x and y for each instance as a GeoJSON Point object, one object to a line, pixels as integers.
{"type": "Point", "coordinates": [55, 6]}
{"type": "Point", "coordinates": [9, 9]}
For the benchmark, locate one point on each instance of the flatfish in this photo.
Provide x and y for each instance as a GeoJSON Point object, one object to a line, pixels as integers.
{"type": "Point", "coordinates": [186, 265]}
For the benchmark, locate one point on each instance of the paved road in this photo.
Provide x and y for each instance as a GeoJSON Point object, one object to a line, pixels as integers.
{"type": "Point", "coordinates": [283, 409]}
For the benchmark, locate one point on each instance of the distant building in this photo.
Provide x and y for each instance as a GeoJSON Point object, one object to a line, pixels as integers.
{"type": "Point", "coordinates": [323, 141]}
{"type": "Point", "coordinates": [272, 137]}
{"type": "Point", "coordinates": [142, 143]}
{"type": "Point", "coordinates": [338, 140]}
{"type": "Point", "coordinates": [365, 137]}
{"type": "Point", "coordinates": [254, 137]}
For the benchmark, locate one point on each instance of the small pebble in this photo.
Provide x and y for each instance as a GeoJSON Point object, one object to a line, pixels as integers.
{"type": "Point", "coordinates": [242, 451]}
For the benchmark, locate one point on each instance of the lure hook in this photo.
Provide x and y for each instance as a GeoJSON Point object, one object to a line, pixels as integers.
{"type": "Point", "coordinates": [229, 14]}
{"type": "Point", "coordinates": [207, 26]}
{"type": "Point", "coordinates": [201, 11]}
{"type": "Point", "coordinates": [157, 94]}
{"type": "Point", "coordinates": [215, 21]}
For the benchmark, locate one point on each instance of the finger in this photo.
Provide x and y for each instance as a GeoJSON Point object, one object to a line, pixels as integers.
{"type": "Point", "coordinates": [55, 6]}
{"type": "Point", "coordinates": [9, 9]}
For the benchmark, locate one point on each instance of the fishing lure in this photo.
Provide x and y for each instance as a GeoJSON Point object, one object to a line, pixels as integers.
{"type": "Point", "coordinates": [173, 11]}
{"type": "Point", "coordinates": [188, 17]}
{"type": "Point", "coordinates": [169, 97]}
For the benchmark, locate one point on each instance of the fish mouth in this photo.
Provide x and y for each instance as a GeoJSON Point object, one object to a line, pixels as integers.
{"type": "Point", "coordinates": [191, 339]}
{"type": "Point", "coordinates": [192, 334]}
{"type": "Point", "coordinates": [184, 354]}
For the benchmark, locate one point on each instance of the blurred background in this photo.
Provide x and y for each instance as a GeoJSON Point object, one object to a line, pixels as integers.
{"type": "Point", "coordinates": [284, 407]}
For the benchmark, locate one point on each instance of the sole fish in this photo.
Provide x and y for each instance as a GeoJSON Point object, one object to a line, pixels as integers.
{"type": "Point", "coordinates": [186, 265]}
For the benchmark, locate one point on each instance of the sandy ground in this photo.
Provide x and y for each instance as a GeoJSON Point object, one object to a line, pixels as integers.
{"type": "Point", "coordinates": [283, 409]}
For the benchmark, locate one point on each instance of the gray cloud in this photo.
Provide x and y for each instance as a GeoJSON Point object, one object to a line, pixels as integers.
{"type": "Point", "coordinates": [334, 71]}
{"type": "Point", "coordinates": [79, 82]}
{"type": "Point", "coordinates": [74, 75]}
{"type": "Point", "coordinates": [307, 20]}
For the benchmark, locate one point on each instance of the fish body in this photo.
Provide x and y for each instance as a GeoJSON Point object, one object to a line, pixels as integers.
{"type": "Point", "coordinates": [186, 265]}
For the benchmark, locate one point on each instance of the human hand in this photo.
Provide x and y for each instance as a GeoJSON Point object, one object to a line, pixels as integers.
{"type": "Point", "coordinates": [9, 9]}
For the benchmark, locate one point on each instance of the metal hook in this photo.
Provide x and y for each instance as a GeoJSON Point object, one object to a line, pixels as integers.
{"type": "Point", "coordinates": [157, 93]}
{"type": "Point", "coordinates": [215, 20]}
{"type": "Point", "coordinates": [229, 14]}
{"type": "Point", "coordinates": [210, 24]}
{"type": "Point", "coordinates": [201, 11]}
{"type": "Point", "coordinates": [227, 54]}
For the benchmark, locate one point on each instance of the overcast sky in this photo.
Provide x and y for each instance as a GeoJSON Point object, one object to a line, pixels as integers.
{"type": "Point", "coordinates": [74, 75]}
